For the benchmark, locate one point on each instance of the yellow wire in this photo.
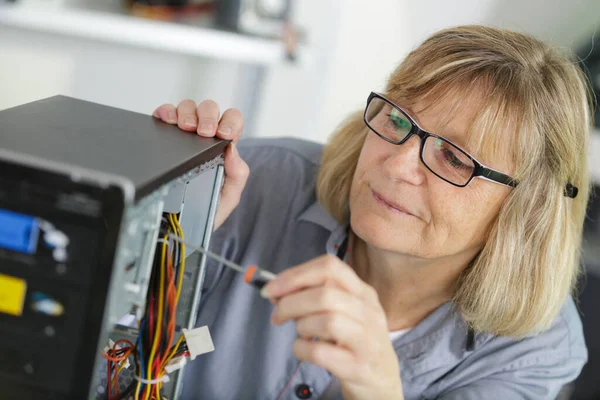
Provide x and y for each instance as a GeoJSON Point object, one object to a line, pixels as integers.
{"type": "Point", "coordinates": [160, 315]}
{"type": "Point", "coordinates": [179, 232]}
{"type": "Point", "coordinates": [173, 351]}
{"type": "Point", "coordinates": [137, 390]}
{"type": "Point", "coordinates": [123, 363]}
{"type": "Point", "coordinates": [182, 267]}
{"type": "Point", "coordinates": [138, 387]}
{"type": "Point", "coordinates": [139, 384]}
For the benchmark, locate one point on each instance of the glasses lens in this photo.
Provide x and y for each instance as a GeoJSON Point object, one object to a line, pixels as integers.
{"type": "Point", "coordinates": [447, 160]}
{"type": "Point", "coordinates": [386, 120]}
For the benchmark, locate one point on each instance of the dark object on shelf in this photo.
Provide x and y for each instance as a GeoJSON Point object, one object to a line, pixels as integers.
{"type": "Point", "coordinates": [170, 9]}
{"type": "Point", "coordinates": [170, 3]}
{"type": "Point", "coordinates": [264, 18]}
{"type": "Point", "coordinates": [258, 17]}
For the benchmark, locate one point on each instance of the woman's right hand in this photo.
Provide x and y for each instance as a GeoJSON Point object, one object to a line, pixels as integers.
{"type": "Point", "coordinates": [206, 120]}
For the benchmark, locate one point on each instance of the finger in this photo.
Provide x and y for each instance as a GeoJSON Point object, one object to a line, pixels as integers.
{"type": "Point", "coordinates": [333, 327]}
{"type": "Point", "coordinates": [231, 124]}
{"type": "Point", "coordinates": [317, 272]}
{"type": "Point", "coordinates": [208, 118]}
{"type": "Point", "coordinates": [167, 113]}
{"type": "Point", "coordinates": [335, 359]}
{"type": "Point", "coordinates": [236, 175]}
{"type": "Point", "coordinates": [318, 300]}
{"type": "Point", "coordinates": [186, 115]}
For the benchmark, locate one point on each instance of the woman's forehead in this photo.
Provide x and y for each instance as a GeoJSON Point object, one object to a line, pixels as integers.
{"type": "Point", "coordinates": [442, 118]}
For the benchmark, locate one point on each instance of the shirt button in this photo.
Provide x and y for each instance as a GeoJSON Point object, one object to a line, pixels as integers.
{"type": "Point", "coordinates": [303, 391]}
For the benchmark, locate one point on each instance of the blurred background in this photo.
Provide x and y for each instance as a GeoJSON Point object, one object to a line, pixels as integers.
{"type": "Point", "coordinates": [294, 68]}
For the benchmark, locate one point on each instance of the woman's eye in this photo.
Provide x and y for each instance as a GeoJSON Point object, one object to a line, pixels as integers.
{"type": "Point", "coordinates": [399, 122]}
{"type": "Point", "coordinates": [454, 161]}
{"type": "Point", "coordinates": [450, 157]}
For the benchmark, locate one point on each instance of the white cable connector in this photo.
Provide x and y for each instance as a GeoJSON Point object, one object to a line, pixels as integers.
{"type": "Point", "coordinates": [162, 379]}
{"type": "Point", "coordinates": [198, 341]}
{"type": "Point", "coordinates": [110, 346]}
{"type": "Point", "coordinates": [175, 364]}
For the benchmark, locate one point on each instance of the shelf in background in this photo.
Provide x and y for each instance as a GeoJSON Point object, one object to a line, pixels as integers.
{"type": "Point", "coordinates": [117, 27]}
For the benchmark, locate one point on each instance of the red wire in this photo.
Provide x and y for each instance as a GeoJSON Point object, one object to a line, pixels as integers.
{"type": "Point", "coordinates": [155, 368]}
{"type": "Point", "coordinates": [108, 378]}
{"type": "Point", "coordinates": [158, 341]}
{"type": "Point", "coordinates": [110, 359]}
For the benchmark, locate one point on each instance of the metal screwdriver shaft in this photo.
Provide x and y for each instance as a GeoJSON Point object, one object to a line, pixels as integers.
{"type": "Point", "coordinates": [209, 253]}
{"type": "Point", "coordinates": [253, 275]}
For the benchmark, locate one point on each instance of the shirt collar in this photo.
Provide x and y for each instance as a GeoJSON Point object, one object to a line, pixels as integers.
{"type": "Point", "coordinates": [317, 214]}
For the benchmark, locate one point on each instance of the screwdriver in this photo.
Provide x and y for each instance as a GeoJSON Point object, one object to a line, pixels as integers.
{"type": "Point", "coordinates": [253, 275]}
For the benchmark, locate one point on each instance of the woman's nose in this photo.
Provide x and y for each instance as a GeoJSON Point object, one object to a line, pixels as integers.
{"type": "Point", "coordinates": [404, 164]}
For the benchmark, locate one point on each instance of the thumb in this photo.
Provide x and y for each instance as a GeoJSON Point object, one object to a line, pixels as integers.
{"type": "Point", "coordinates": [236, 175]}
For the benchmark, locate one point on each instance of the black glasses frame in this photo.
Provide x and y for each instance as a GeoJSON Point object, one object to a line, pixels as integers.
{"type": "Point", "coordinates": [478, 170]}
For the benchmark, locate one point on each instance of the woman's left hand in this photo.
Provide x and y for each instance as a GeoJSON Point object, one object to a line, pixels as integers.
{"type": "Point", "coordinates": [331, 303]}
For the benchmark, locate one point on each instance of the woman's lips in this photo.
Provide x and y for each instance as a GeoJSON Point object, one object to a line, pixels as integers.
{"type": "Point", "coordinates": [393, 207]}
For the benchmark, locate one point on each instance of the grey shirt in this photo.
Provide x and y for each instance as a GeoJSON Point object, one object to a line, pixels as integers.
{"type": "Point", "coordinates": [279, 224]}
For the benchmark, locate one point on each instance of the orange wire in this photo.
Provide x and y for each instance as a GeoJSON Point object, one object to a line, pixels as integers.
{"type": "Point", "coordinates": [124, 356]}
{"type": "Point", "coordinates": [171, 299]}
{"type": "Point", "coordinates": [117, 358]}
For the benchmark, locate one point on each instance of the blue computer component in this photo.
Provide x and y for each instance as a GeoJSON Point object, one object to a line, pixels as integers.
{"type": "Point", "coordinates": [18, 232]}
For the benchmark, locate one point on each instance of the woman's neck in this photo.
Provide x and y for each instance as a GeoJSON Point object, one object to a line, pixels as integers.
{"type": "Point", "coordinates": [409, 288]}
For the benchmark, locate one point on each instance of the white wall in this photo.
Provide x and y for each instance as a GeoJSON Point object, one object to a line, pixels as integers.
{"type": "Point", "coordinates": [24, 73]}
{"type": "Point", "coordinates": [35, 65]}
{"type": "Point", "coordinates": [370, 38]}
{"type": "Point", "coordinates": [353, 45]}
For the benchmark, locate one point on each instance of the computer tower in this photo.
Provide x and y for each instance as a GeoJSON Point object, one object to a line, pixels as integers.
{"type": "Point", "coordinates": [83, 190]}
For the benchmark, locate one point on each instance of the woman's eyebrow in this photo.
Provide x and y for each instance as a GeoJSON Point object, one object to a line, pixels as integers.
{"type": "Point", "coordinates": [447, 132]}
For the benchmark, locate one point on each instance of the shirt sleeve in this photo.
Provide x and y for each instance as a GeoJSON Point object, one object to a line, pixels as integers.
{"type": "Point", "coordinates": [533, 368]}
{"type": "Point", "coordinates": [542, 381]}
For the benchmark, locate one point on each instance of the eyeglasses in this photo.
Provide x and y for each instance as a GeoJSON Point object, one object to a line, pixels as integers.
{"type": "Point", "coordinates": [442, 157]}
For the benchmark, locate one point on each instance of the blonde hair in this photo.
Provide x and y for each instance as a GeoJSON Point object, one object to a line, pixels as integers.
{"type": "Point", "coordinates": [536, 103]}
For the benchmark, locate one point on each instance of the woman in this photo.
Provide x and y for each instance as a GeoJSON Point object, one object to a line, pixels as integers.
{"type": "Point", "coordinates": [434, 241]}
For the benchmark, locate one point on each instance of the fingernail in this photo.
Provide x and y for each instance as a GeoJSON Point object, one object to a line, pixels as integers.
{"type": "Point", "coordinates": [189, 122]}
{"type": "Point", "coordinates": [264, 292]}
{"type": "Point", "coordinates": [172, 117]}
{"type": "Point", "coordinates": [206, 129]}
{"type": "Point", "coordinates": [225, 130]}
{"type": "Point", "coordinates": [270, 289]}
{"type": "Point", "coordinates": [234, 151]}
